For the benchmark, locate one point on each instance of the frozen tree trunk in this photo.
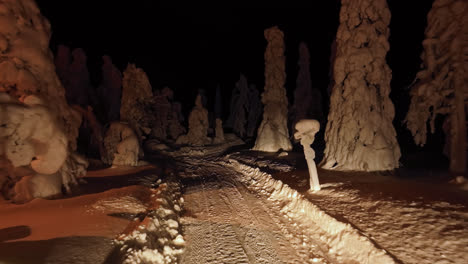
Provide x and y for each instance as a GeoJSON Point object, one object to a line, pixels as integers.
{"type": "Point", "coordinates": [441, 85]}
{"type": "Point", "coordinates": [273, 132]}
{"type": "Point", "coordinates": [359, 133]}
{"type": "Point", "coordinates": [307, 101]}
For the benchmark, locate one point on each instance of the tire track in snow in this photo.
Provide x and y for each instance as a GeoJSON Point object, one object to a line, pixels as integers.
{"type": "Point", "coordinates": [233, 225]}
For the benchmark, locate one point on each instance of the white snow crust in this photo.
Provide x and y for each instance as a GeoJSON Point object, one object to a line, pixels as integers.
{"type": "Point", "coordinates": [345, 243]}
{"type": "Point", "coordinates": [160, 240]}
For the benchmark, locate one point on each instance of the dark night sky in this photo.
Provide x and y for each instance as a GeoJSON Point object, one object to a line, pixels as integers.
{"type": "Point", "coordinates": [191, 47]}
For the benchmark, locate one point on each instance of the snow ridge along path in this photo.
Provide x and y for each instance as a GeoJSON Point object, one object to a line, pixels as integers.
{"type": "Point", "coordinates": [235, 213]}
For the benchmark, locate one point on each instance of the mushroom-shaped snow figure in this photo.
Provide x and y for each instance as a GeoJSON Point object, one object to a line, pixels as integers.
{"type": "Point", "coordinates": [305, 132]}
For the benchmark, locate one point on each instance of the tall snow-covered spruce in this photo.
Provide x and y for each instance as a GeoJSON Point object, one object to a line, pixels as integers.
{"type": "Point", "coordinates": [136, 95]}
{"type": "Point", "coordinates": [38, 129]}
{"type": "Point", "coordinates": [273, 132]}
{"type": "Point", "coordinates": [239, 105]}
{"type": "Point", "coordinates": [359, 133]}
{"type": "Point", "coordinates": [441, 85]}
{"type": "Point", "coordinates": [307, 99]}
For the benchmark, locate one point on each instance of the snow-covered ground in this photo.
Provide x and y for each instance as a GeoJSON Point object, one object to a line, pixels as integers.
{"type": "Point", "coordinates": [414, 230]}
{"type": "Point", "coordinates": [244, 207]}
{"type": "Point", "coordinates": [238, 214]}
{"type": "Point", "coordinates": [119, 208]}
{"type": "Point", "coordinates": [155, 236]}
{"type": "Point", "coordinates": [415, 219]}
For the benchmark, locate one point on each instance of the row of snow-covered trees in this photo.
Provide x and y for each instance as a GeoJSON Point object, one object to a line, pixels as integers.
{"type": "Point", "coordinates": [359, 133]}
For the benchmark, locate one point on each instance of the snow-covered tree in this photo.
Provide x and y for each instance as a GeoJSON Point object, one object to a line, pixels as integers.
{"type": "Point", "coordinates": [359, 133]}
{"type": "Point", "coordinates": [440, 87]}
{"type": "Point", "coordinates": [254, 112]}
{"type": "Point", "coordinates": [307, 100]}
{"type": "Point", "coordinates": [198, 126]}
{"type": "Point", "coordinates": [110, 89]}
{"type": "Point", "coordinates": [38, 129]}
{"type": "Point", "coordinates": [273, 132]}
{"type": "Point", "coordinates": [79, 86]}
{"type": "Point", "coordinates": [72, 69]}
{"type": "Point", "coordinates": [162, 112]}
{"type": "Point", "coordinates": [239, 103]}
{"type": "Point", "coordinates": [136, 95]}
{"type": "Point", "coordinates": [218, 108]}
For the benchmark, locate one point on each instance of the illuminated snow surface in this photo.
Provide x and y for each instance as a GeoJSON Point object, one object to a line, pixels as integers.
{"type": "Point", "coordinates": [422, 219]}
{"type": "Point", "coordinates": [238, 214]}
{"type": "Point", "coordinates": [232, 211]}
{"type": "Point", "coordinates": [124, 215]}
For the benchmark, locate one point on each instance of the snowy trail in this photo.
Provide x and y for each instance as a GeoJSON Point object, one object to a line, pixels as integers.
{"type": "Point", "coordinates": [227, 223]}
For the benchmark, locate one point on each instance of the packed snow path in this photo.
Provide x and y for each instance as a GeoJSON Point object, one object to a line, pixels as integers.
{"type": "Point", "coordinates": [226, 223]}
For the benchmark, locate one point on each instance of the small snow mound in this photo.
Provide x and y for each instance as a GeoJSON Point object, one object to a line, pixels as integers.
{"type": "Point", "coordinates": [126, 204]}
{"type": "Point", "coordinates": [157, 239]}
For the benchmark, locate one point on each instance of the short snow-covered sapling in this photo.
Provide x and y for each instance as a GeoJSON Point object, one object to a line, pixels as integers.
{"type": "Point", "coordinates": [305, 132]}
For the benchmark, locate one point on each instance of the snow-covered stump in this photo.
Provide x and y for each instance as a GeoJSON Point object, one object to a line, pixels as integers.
{"type": "Point", "coordinates": [441, 87]}
{"type": "Point", "coordinates": [121, 145]}
{"type": "Point", "coordinates": [273, 132]}
{"type": "Point", "coordinates": [306, 130]}
{"type": "Point", "coordinates": [359, 134]}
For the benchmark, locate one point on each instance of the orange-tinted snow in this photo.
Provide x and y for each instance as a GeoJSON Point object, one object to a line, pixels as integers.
{"type": "Point", "coordinates": [84, 215]}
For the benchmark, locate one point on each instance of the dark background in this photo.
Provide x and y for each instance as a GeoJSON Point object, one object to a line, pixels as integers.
{"type": "Point", "coordinates": [199, 47]}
